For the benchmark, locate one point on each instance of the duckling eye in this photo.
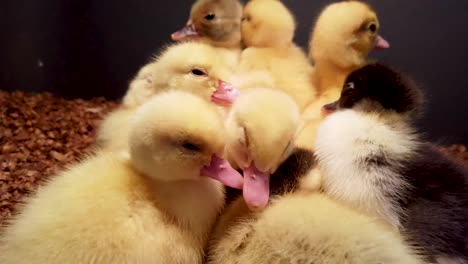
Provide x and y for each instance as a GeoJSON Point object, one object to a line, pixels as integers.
{"type": "Point", "coordinates": [199, 72]}
{"type": "Point", "coordinates": [349, 85]}
{"type": "Point", "coordinates": [372, 28]}
{"type": "Point", "coordinates": [210, 16]}
{"type": "Point", "coordinates": [191, 147]}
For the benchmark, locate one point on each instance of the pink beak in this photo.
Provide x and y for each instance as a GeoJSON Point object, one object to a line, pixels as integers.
{"type": "Point", "coordinates": [381, 43]}
{"type": "Point", "coordinates": [220, 170]}
{"type": "Point", "coordinates": [226, 94]}
{"type": "Point", "coordinates": [256, 189]}
{"type": "Point", "coordinates": [329, 109]}
{"type": "Point", "coordinates": [186, 32]}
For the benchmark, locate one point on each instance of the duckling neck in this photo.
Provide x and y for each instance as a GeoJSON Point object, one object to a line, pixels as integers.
{"type": "Point", "coordinates": [193, 204]}
{"type": "Point", "coordinates": [329, 78]}
{"type": "Point", "coordinates": [281, 45]}
{"type": "Point", "coordinates": [229, 44]}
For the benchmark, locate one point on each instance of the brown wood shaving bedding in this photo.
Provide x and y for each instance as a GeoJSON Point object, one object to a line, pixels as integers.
{"type": "Point", "coordinates": [40, 133]}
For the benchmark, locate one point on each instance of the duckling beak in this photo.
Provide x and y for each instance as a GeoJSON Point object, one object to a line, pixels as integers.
{"type": "Point", "coordinates": [225, 94]}
{"type": "Point", "coordinates": [220, 170]}
{"type": "Point", "coordinates": [329, 108]}
{"type": "Point", "coordinates": [381, 43]}
{"type": "Point", "coordinates": [186, 32]}
{"type": "Point", "coordinates": [256, 189]}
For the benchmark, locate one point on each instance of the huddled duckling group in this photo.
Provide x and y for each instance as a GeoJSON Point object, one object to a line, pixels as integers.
{"type": "Point", "coordinates": [319, 156]}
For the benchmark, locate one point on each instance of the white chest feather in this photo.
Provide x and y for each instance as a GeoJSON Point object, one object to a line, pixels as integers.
{"type": "Point", "coordinates": [360, 158]}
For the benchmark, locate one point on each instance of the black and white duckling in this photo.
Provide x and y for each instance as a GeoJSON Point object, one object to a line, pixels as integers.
{"type": "Point", "coordinates": [372, 158]}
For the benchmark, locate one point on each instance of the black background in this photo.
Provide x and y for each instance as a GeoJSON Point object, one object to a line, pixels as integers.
{"type": "Point", "coordinates": [84, 48]}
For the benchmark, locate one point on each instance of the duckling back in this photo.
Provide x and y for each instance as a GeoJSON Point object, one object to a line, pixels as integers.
{"type": "Point", "coordinates": [267, 23]}
{"type": "Point", "coordinates": [311, 229]}
{"type": "Point", "coordinates": [100, 211]}
{"type": "Point", "coordinates": [267, 31]}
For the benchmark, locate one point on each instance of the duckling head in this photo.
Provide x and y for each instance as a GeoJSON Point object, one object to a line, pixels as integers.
{"type": "Point", "coordinates": [267, 23]}
{"type": "Point", "coordinates": [216, 22]}
{"type": "Point", "coordinates": [261, 128]}
{"type": "Point", "coordinates": [190, 66]}
{"type": "Point", "coordinates": [178, 136]}
{"type": "Point", "coordinates": [378, 88]}
{"type": "Point", "coordinates": [344, 34]}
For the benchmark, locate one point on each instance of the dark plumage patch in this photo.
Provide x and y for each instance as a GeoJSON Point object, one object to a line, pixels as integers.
{"type": "Point", "coordinates": [231, 193]}
{"type": "Point", "coordinates": [287, 176]}
{"type": "Point", "coordinates": [378, 83]}
{"type": "Point", "coordinates": [376, 160]}
{"type": "Point", "coordinates": [437, 205]}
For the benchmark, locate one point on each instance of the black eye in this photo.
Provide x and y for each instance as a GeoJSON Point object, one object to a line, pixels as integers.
{"type": "Point", "coordinates": [349, 85]}
{"type": "Point", "coordinates": [189, 146]}
{"type": "Point", "coordinates": [372, 28]}
{"type": "Point", "coordinates": [210, 16]}
{"type": "Point", "coordinates": [246, 18]}
{"type": "Point", "coordinates": [198, 72]}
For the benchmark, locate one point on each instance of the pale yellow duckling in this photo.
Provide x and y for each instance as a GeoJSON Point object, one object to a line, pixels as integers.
{"type": "Point", "coordinates": [216, 22]}
{"type": "Point", "coordinates": [311, 228]}
{"type": "Point", "coordinates": [261, 126]}
{"type": "Point", "coordinates": [342, 37]}
{"type": "Point", "coordinates": [193, 67]}
{"type": "Point", "coordinates": [153, 205]}
{"type": "Point", "coordinates": [267, 31]}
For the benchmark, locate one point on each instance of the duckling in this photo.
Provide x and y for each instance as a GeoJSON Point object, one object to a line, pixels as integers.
{"type": "Point", "coordinates": [372, 157]}
{"type": "Point", "coordinates": [342, 37]}
{"type": "Point", "coordinates": [134, 208]}
{"type": "Point", "coordinates": [295, 173]}
{"type": "Point", "coordinates": [311, 228]}
{"type": "Point", "coordinates": [197, 67]}
{"type": "Point", "coordinates": [194, 67]}
{"type": "Point", "coordinates": [216, 22]}
{"type": "Point", "coordinates": [261, 126]}
{"type": "Point", "coordinates": [267, 31]}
